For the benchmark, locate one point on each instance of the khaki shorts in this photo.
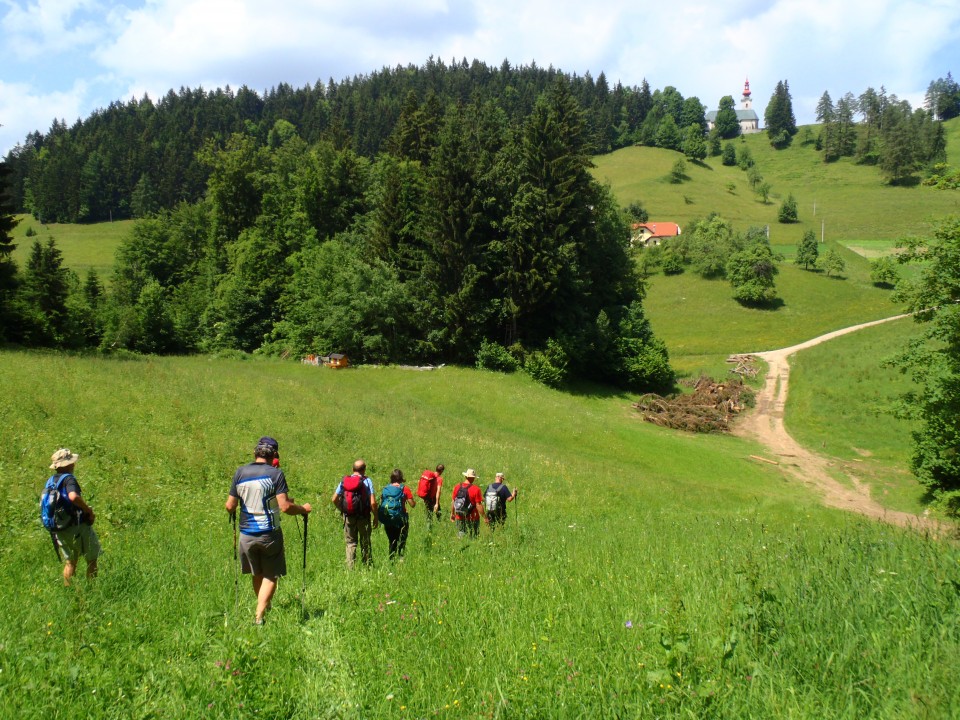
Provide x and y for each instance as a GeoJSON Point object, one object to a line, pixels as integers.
{"type": "Point", "coordinates": [79, 541]}
{"type": "Point", "coordinates": [263, 555]}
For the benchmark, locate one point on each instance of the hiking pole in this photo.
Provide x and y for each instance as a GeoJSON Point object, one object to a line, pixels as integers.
{"type": "Point", "coordinates": [303, 589]}
{"type": "Point", "coordinates": [56, 547]}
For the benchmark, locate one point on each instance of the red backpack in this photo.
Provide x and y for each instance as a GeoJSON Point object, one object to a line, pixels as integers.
{"type": "Point", "coordinates": [427, 487]}
{"type": "Point", "coordinates": [356, 497]}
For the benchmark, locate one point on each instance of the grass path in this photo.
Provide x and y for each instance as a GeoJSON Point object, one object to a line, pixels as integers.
{"type": "Point", "coordinates": [765, 424]}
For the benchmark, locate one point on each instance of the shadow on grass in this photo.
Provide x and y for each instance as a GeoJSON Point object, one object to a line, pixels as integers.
{"type": "Point", "coordinates": [585, 388]}
{"type": "Point", "coordinates": [771, 306]}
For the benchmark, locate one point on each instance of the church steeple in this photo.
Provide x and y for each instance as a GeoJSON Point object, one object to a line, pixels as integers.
{"type": "Point", "coordinates": [746, 100]}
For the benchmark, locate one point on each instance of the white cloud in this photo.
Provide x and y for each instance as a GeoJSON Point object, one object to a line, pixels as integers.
{"type": "Point", "coordinates": [702, 48]}
{"type": "Point", "coordinates": [52, 26]}
{"type": "Point", "coordinates": [23, 110]}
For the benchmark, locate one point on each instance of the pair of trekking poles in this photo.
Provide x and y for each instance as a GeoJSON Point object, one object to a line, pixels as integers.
{"type": "Point", "coordinates": [236, 566]}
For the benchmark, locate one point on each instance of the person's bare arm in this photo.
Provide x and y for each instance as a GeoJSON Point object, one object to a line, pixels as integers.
{"type": "Point", "coordinates": [288, 507]}
{"type": "Point", "coordinates": [78, 500]}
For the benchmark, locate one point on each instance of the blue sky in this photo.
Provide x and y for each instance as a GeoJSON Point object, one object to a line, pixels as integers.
{"type": "Point", "coordinates": [66, 58]}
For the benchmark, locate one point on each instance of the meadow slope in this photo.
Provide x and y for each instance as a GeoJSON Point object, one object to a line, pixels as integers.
{"type": "Point", "coordinates": [642, 573]}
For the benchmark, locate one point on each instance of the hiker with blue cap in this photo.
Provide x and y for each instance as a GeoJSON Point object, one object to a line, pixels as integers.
{"type": "Point", "coordinates": [260, 490]}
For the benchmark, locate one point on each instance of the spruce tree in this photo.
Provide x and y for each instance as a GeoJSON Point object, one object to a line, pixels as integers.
{"type": "Point", "coordinates": [779, 118]}
{"type": "Point", "coordinates": [8, 268]}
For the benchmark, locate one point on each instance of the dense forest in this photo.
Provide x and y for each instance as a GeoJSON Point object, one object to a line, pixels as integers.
{"type": "Point", "coordinates": [133, 158]}
{"type": "Point", "coordinates": [467, 239]}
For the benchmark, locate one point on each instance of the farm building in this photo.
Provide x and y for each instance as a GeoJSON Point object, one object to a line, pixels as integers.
{"type": "Point", "coordinates": [746, 115]}
{"type": "Point", "coordinates": [653, 233]}
{"type": "Point", "coordinates": [336, 360]}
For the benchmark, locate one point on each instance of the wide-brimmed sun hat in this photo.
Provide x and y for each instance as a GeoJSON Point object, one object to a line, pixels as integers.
{"type": "Point", "coordinates": [470, 474]}
{"type": "Point", "coordinates": [62, 458]}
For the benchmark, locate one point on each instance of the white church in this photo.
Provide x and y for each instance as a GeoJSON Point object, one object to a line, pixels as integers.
{"type": "Point", "coordinates": [746, 115]}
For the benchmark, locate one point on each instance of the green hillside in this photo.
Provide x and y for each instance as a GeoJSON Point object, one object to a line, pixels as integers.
{"type": "Point", "coordinates": [84, 247]}
{"type": "Point", "coordinates": [642, 573]}
{"type": "Point", "coordinates": [854, 205]}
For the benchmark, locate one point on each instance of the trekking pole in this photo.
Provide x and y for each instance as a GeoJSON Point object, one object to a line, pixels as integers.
{"type": "Point", "coordinates": [303, 589]}
{"type": "Point", "coordinates": [56, 547]}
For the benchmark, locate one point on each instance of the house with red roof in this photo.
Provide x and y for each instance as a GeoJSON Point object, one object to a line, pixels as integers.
{"type": "Point", "coordinates": [653, 233]}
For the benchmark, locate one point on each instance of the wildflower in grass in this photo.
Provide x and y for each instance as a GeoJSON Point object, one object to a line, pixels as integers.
{"type": "Point", "coordinates": [628, 624]}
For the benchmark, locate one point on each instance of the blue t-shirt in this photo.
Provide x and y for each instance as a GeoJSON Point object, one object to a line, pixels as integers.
{"type": "Point", "coordinates": [256, 486]}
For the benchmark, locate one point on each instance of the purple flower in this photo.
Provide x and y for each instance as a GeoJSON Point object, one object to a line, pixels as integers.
{"type": "Point", "coordinates": [628, 624]}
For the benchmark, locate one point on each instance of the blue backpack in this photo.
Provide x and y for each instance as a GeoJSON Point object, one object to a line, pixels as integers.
{"type": "Point", "coordinates": [391, 511]}
{"type": "Point", "coordinates": [56, 510]}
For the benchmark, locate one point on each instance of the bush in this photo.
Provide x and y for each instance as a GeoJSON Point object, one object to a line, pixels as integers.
{"type": "Point", "coordinates": [729, 155]}
{"type": "Point", "coordinates": [31, 232]}
{"type": "Point", "coordinates": [548, 366]}
{"type": "Point", "coordinates": [883, 272]}
{"type": "Point", "coordinates": [493, 356]}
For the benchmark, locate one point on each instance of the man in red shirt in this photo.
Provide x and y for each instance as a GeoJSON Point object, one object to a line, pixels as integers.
{"type": "Point", "coordinates": [467, 505]}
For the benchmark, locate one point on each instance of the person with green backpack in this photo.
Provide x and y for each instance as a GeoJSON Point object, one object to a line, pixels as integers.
{"type": "Point", "coordinates": [392, 512]}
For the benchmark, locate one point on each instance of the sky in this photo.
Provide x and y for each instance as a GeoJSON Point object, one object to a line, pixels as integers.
{"type": "Point", "coordinates": [64, 59]}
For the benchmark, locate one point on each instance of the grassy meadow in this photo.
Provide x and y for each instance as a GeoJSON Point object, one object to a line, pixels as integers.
{"type": "Point", "coordinates": [84, 247]}
{"type": "Point", "coordinates": [854, 205]}
{"type": "Point", "coordinates": [642, 573]}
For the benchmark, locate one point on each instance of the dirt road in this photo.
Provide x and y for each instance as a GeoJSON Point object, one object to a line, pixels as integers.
{"type": "Point", "coordinates": [765, 423]}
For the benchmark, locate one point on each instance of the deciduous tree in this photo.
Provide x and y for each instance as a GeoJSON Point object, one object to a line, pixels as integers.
{"type": "Point", "coordinates": [933, 361]}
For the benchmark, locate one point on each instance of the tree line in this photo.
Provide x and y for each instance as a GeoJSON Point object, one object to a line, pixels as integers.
{"type": "Point", "coordinates": [467, 239]}
{"type": "Point", "coordinates": [131, 159]}
{"type": "Point", "coordinates": [892, 135]}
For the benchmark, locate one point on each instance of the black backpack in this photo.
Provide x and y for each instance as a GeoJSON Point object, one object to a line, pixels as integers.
{"type": "Point", "coordinates": [462, 505]}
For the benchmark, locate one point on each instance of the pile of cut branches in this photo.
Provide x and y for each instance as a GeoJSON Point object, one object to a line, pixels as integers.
{"type": "Point", "coordinates": [709, 408]}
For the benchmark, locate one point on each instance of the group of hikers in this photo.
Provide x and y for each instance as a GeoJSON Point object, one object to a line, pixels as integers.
{"type": "Point", "coordinates": [259, 490]}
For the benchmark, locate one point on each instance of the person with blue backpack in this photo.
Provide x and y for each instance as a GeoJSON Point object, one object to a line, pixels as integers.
{"type": "Point", "coordinates": [392, 512]}
{"type": "Point", "coordinates": [68, 517]}
{"type": "Point", "coordinates": [355, 497]}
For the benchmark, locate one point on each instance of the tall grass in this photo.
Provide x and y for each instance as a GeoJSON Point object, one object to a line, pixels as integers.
{"type": "Point", "coordinates": [641, 573]}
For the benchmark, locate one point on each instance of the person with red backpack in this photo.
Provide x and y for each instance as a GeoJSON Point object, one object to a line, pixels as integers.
{"type": "Point", "coordinates": [356, 498]}
{"type": "Point", "coordinates": [428, 490]}
{"type": "Point", "coordinates": [467, 506]}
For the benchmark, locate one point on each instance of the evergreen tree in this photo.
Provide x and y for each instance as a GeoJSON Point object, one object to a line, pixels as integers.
{"type": "Point", "coordinates": [788, 210]}
{"type": "Point", "coordinates": [46, 287]}
{"type": "Point", "coordinates": [807, 251]}
{"type": "Point", "coordinates": [779, 118]}
{"type": "Point", "coordinates": [8, 267]}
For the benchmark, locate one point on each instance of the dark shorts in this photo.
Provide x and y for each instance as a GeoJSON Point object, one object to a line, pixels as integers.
{"type": "Point", "coordinates": [263, 555]}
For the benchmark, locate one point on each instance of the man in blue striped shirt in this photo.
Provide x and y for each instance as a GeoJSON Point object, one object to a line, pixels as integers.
{"type": "Point", "coordinates": [260, 490]}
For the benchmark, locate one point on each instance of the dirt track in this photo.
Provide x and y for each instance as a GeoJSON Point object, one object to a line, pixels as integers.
{"type": "Point", "coordinates": [765, 423]}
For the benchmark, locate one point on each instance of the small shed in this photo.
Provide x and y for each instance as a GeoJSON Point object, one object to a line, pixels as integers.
{"type": "Point", "coordinates": [337, 360]}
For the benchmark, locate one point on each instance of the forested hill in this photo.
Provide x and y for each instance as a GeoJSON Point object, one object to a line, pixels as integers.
{"type": "Point", "coordinates": [133, 158]}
